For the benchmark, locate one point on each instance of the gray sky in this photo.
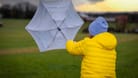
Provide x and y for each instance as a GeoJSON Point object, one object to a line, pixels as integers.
{"type": "Point", "coordinates": [16, 1]}
{"type": "Point", "coordinates": [75, 2]}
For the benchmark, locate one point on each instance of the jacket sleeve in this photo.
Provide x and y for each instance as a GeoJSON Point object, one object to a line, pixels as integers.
{"type": "Point", "coordinates": [74, 48]}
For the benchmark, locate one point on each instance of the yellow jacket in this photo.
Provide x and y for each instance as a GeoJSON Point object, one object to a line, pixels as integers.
{"type": "Point", "coordinates": [99, 55]}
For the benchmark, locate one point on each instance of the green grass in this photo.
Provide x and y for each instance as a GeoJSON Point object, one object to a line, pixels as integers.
{"type": "Point", "coordinates": [20, 57]}
{"type": "Point", "coordinates": [127, 61]}
{"type": "Point", "coordinates": [56, 64]}
{"type": "Point", "coordinates": [13, 34]}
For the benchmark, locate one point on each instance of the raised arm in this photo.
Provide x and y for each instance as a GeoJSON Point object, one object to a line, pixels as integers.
{"type": "Point", "coordinates": [74, 48]}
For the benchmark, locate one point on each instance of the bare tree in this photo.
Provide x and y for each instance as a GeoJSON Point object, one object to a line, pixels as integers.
{"type": "Point", "coordinates": [6, 11]}
{"type": "Point", "coordinates": [23, 10]}
{"type": "Point", "coordinates": [19, 10]}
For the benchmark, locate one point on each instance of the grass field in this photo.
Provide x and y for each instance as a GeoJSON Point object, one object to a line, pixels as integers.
{"type": "Point", "coordinates": [20, 57]}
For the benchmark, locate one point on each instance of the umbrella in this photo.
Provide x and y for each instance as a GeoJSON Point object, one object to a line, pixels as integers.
{"type": "Point", "coordinates": [54, 22]}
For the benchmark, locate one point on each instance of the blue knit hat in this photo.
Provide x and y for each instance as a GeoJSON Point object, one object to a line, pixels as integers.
{"type": "Point", "coordinates": [99, 25]}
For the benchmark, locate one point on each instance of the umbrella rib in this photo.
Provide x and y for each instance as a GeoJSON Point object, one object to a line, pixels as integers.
{"type": "Point", "coordinates": [58, 28]}
{"type": "Point", "coordinates": [59, 25]}
{"type": "Point", "coordinates": [64, 35]}
{"type": "Point", "coordinates": [40, 39]}
{"type": "Point", "coordinates": [53, 39]}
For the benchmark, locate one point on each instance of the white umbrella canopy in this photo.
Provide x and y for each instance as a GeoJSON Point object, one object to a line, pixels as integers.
{"type": "Point", "coordinates": [54, 22]}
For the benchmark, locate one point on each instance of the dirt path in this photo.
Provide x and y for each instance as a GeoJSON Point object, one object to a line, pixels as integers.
{"type": "Point", "coordinates": [33, 50]}
{"type": "Point", "coordinates": [18, 51]}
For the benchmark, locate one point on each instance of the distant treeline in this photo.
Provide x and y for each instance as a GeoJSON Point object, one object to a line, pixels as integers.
{"type": "Point", "coordinates": [19, 10]}
{"type": "Point", "coordinates": [132, 16]}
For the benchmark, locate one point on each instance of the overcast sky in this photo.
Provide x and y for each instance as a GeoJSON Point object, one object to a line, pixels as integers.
{"type": "Point", "coordinates": [107, 5]}
{"type": "Point", "coordinates": [16, 1]}
{"type": "Point", "coordinates": [75, 2]}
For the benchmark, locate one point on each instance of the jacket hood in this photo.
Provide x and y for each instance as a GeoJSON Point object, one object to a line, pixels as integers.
{"type": "Point", "coordinates": [106, 40]}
